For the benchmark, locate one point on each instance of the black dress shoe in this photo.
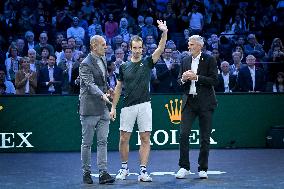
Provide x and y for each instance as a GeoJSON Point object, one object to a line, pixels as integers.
{"type": "Point", "coordinates": [105, 178]}
{"type": "Point", "coordinates": [87, 179]}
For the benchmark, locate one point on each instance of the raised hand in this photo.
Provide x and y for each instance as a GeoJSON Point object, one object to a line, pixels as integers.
{"type": "Point", "coordinates": [162, 25]}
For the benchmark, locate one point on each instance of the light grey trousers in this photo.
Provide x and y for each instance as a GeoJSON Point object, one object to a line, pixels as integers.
{"type": "Point", "coordinates": [90, 125]}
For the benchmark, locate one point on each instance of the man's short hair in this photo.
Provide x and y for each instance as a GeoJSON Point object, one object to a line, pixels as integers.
{"type": "Point", "coordinates": [197, 38]}
{"type": "Point", "coordinates": [135, 38]}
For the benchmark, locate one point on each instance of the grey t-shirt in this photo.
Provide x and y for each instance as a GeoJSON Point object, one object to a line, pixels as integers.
{"type": "Point", "coordinates": [136, 79]}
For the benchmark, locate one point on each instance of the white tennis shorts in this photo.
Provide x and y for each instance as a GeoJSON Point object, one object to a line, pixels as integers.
{"type": "Point", "coordinates": [142, 112]}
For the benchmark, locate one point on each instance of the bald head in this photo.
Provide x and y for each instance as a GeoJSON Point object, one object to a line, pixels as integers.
{"type": "Point", "coordinates": [98, 45]}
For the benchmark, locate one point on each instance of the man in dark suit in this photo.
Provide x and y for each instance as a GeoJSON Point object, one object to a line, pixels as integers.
{"type": "Point", "coordinates": [50, 78]}
{"type": "Point", "coordinates": [94, 114]}
{"type": "Point", "coordinates": [226, 81]}
{"type": "Point", "coordinates": [198, 76]}
{"type": "Point", "coordinates": [167, 73]}
{"type": "Point", "coordinates": [251, 78]}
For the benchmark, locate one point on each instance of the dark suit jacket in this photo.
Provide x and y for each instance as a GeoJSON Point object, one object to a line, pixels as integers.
{"type": "Point", "coordinates": [74, 86]}
{"type": "Point", "coordinates": [207, 78]}
{"type": "Point", "coordinates": [167, 78]}
{"type": "Point", "coordinates": [66, 86]}
{"type": "Point", "coordinates": [92, 86]}
{"type": "Point", "coordinates": [10, 28]}
{"type": "Point", "coordinates": [43, 77]}
{"type": "Point", "coordinates": [244, 80]}
{"type": "Point", "coordinates": [232, 83]}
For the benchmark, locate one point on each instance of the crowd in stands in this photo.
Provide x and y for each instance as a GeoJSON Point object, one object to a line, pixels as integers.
{"type": "Point", "coordinates": [43, 42]}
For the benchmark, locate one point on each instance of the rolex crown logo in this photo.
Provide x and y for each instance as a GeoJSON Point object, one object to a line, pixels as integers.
{"type": "Point", "coordinates": [174, 111]}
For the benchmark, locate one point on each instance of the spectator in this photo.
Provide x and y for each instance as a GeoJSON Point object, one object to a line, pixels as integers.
{"type": "Point", "coordinates": [109, 53]}
{"type": "Point", "coordinates": [278, 85]}
{"type": "Point", "coordinates": [195, 20]}
{"type": "Point", "coordinates": [76, 31]}
{"type": "Point", "coordinates": [275, 53]}
{"type": "Point", "coordinates": [119, 56]}
{"type": "Point", "coordinates": [50, 78]}
{"type": "Point", "coordinates": [227, 81]}
{"type": "Point", "coordinates": [149, 41]}
{"type": "Point", "coordinates": [149, 29]}
{"type": "Point", "coordinates": [75, 79]}
{"type": "Point", "coordinates": [42, 26]}
{"type": "Point", "coordinates": [240, 40]}
{"type": "Point", "coordinates": [130, 21]}
{"type": "Point", "coordinates": [170, 16]}
{"type": "Point", "coordinates": [88, 9]}
{"type": "Point", "coordinates": [59, 52]}
{"type": "Point", "coordinates": [176, 57]}
{"type": "Point", "coordinates": [240, 49]}
{"type": "Point", "coordinates": [254, 48]}
{"type": "Point", "coordinates": [215, 11]}
{"type": "Point", "coordinates": [152, 48]}
{"type": "Point", "coordinates": [34, 64]}
{"type": "Point", "coordinates": [167, 73]}
{"type": "Point", "coordinates": [9, 24]}
{"type": "Point", "coordinates": [44, 58]}
{"type": "Point", "coordinates": [225, 48]}
{"type": "Point", "coordinates": [111, 79]}
{"type": "Point", "coordinates": [216, 54]}
{"type": "Point", "coordinates": [111, 28]}
{"type": "Point", "coordinates": [63, 20]}
{"type": "Point", "coordinates": [26, 79]}
{"type": "Point", "coordinates": [254, 27]}
{"type": "Point", "coordinates": [92, 27]}
{"type": "Point", "coordinates": [82, 22]}
{"type": "Point", "coordinates": [213, 42]}
{"type": "Point", "coordinates": [125, 49]}
{"type": "Point", "coordinates": [116, 41]}
{"type": "Point", "coordinates": [123, 30]}
{"type": "Point", "coordinates": [57, 44]}
{"type": "Point", "coordinates": [12, 63]}
{"type": "Point", "coordinates": [78, 44]}
{"type": "Point", "coordinates": [29, 41]}
{"type": "Point", "coordinates": [43, 43]}
{"type": "Point", "coordinates": [228, 33]}
{"type": "Point", "coordinates": [20, 43]}
{"type": "Point", "coordinates": [275, 60]}
{"type": "Point", "coordinates": [137, 29]}
{"type": "Point", "coordinates": [251, 78]}
{"type": "Point", "coordinates": [237, 64]}
{"type": "Point", "coordinates": [238, 24]}
{"type": "Point", "coordinates": [67, 65]}
{"type": "Point", "coordinates": [184, 42]}
{"type": "Point", "coordinates": [171, 45]}
{"type": "Point", "coordinates": [72, 43]}
{"type": "Point", "coordinates": [6, 87]}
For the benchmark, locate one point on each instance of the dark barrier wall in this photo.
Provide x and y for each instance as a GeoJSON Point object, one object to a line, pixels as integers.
{"type": "Point", "coordinates": [51, 123]}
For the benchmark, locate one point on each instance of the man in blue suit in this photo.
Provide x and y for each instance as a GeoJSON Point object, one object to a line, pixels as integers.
{"type": "Point", "coordinates": [50, 78]}
{"type": "Point", "coordinates": [251, 78]}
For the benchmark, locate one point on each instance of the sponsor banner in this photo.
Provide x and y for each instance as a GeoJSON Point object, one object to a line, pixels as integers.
{"type": "Point", "coordinates": [51, 123]}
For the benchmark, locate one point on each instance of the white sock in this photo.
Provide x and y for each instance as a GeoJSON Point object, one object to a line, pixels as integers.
{"type": "Point", "coordinates": [143, 168]}
{"type": "Point", "coordinates": [124, 165]}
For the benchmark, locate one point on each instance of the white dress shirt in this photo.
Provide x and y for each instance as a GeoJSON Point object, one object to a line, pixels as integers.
{"type": "Point", "coordinates": [226, 82]}
{"type": "Point", "coordinates": [51, 78]}
{"type": "Point", "coordinates": [194, 67]}
{"type": "Point", "coordinates": [252, 73]}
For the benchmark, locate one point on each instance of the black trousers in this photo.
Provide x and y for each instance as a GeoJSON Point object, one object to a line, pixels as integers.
{"type": "Point", "coordinates": [205, 125]}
